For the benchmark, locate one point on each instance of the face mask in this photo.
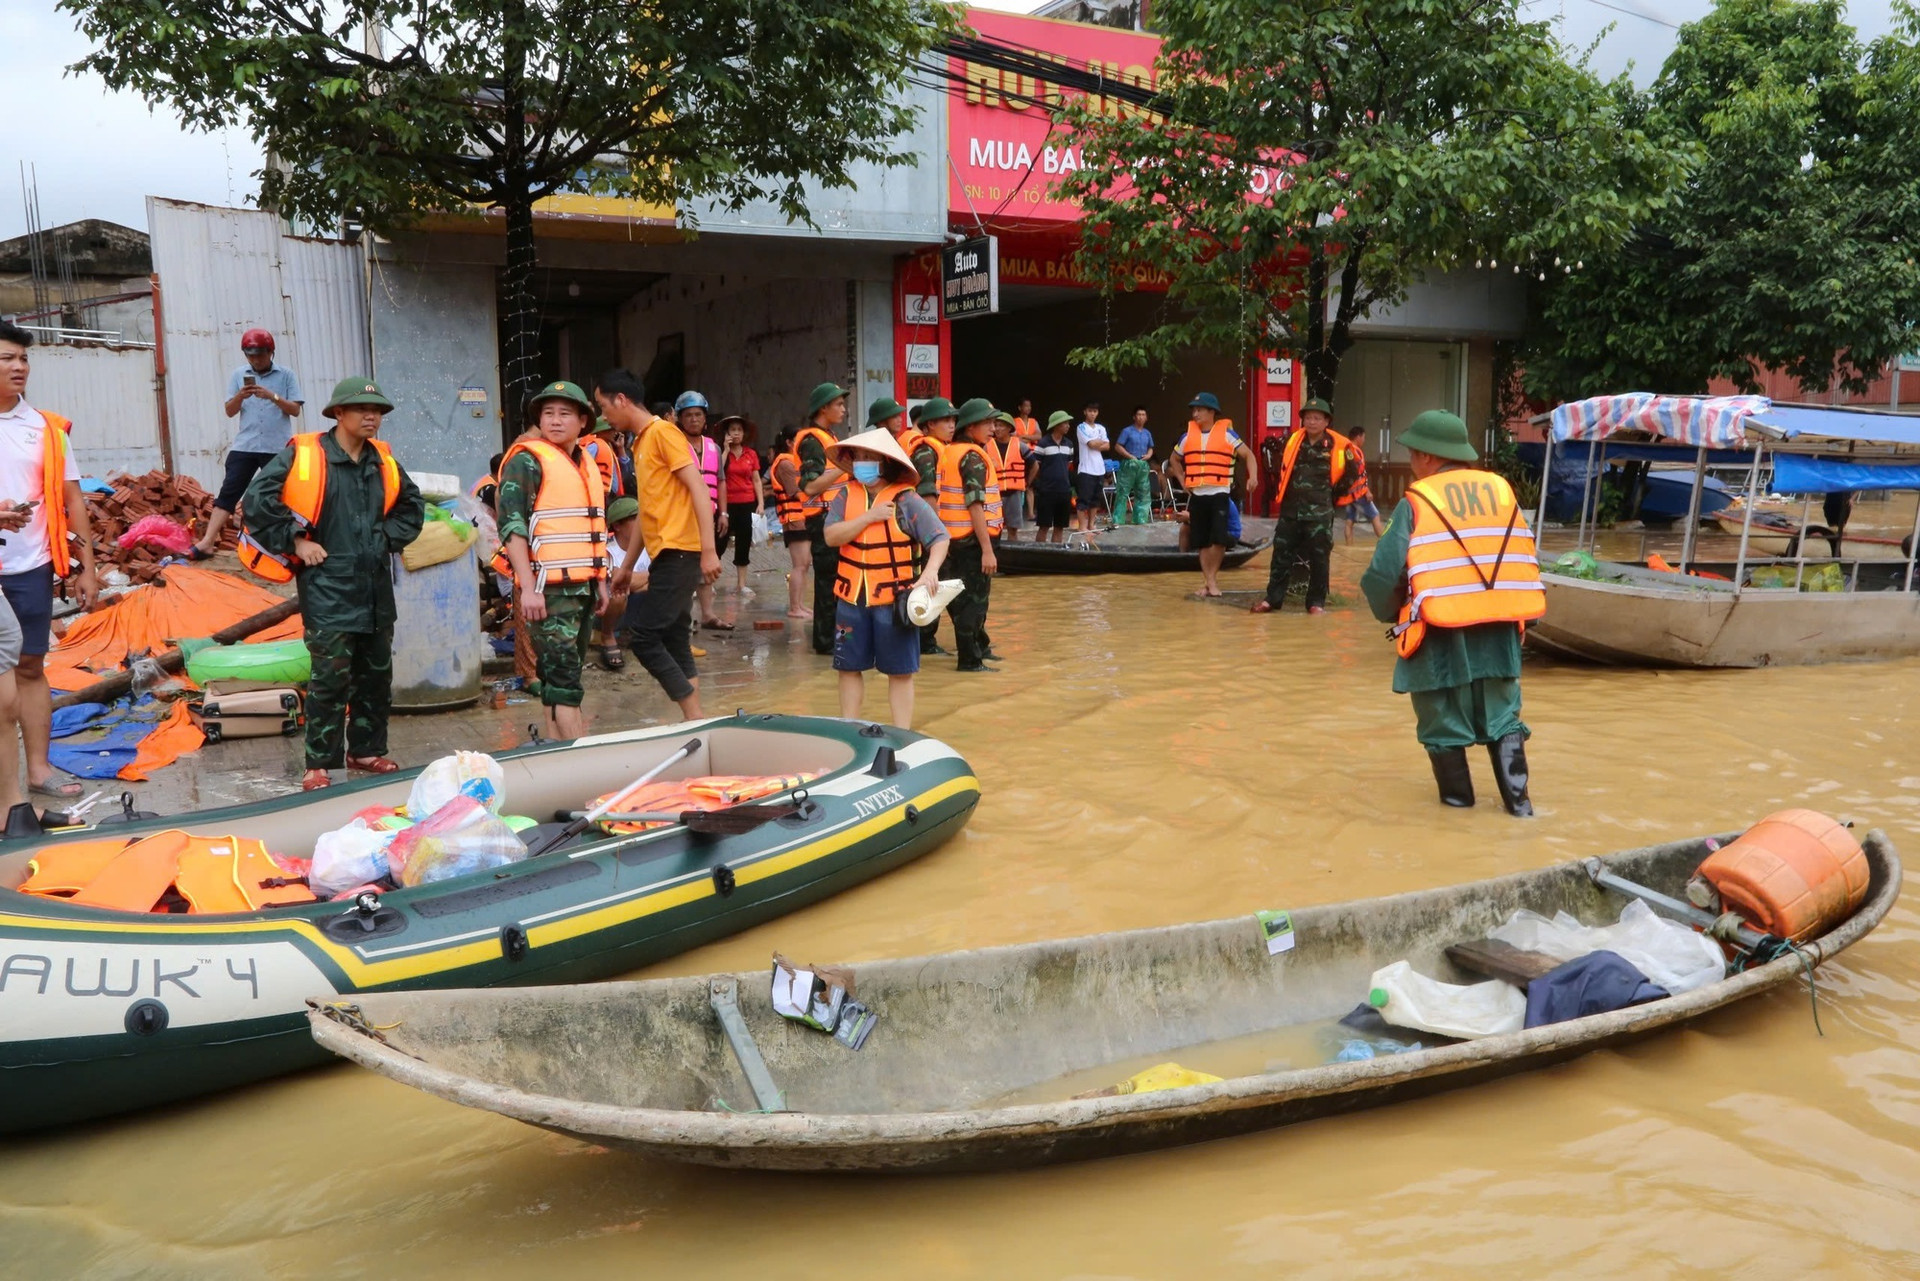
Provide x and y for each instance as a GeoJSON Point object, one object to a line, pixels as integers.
{"type": "Point", "coordinates": [867, 473]}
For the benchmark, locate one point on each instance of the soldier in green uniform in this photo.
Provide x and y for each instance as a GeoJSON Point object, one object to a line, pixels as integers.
{"type": "Point", "coordinates": [971, 552]}
{"type": "Point", "coordinates": [1313, 474]}
{"type": "Point", "coordinates": [345, 579]}
{"type": "Point", "coordinates": [559, 616]}
{"type": "Point", "coordinates": [935, 422]}
{"type": "Point", "coordinates": [826, 411]}
{"type": "Point", "coordinates": [1463, 680]}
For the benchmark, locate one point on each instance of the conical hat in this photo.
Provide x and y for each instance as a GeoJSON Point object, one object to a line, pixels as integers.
{"type": "Point", "coordinates": [878, 441]}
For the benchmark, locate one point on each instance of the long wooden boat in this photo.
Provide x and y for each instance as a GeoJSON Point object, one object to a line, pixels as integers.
{"type": "Point", "coordinates": [1641, 617]}
{"type": "Point", "coordinates": [104, 1012]}
{"type": "Point", "coordinates": [647, 1065]}
{"type": "Point", "coordinates": [1153, 549]}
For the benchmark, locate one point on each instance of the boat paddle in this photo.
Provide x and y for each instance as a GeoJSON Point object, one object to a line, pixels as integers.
{"type": "Point", "coordinates": [581, 824]}
{"type": "Point", "coordinates": [733, 821]}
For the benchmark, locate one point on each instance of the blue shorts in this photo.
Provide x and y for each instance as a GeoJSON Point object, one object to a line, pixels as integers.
{"type": "Point", "coordinates": [1362, 509]}
{"type": "Point", "coordinates": [30, 593]}
{"type": "Point", "coordinates": [869, 636]}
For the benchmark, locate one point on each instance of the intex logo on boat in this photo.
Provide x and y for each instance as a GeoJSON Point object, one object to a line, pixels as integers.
{"type": "Point", "coordinates": [872, 804]}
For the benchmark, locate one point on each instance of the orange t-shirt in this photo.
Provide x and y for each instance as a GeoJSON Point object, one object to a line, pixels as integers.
{"type": "Point", "coordinates": [667, 521]}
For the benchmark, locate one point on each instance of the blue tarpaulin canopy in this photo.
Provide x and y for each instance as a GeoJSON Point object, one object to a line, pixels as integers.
{"type": "Point", "coordinates": [1799, 474]}
{"type": "Point", "coordinates": [1789, 422]}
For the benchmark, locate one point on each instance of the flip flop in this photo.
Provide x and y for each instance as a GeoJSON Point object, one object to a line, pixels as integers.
{"type": "Point", "coordinates": [67, 791]}
{"type": "Point", "coordinates": [194, 553]}
{"type": "Point", "coordinates": [611, 658]}
{"type": "Point", "coordinates": [716, 625]}
{"type": "Point", "coordinates": [373, 764]}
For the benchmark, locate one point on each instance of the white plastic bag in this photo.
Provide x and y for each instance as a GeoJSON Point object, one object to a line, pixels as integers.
{"type": "Point", "coordinates": [440, 782]}
{"type": "Point", "coordinates": [1670, 954]}
{"type": "Point", "coordinates": [1407, 998]}
{"type": "Point", "coordinates": [346, 857]}
{"type": "Point", "coordinates": [482, 842]}
{"type": "Point", "coordinates": [763, 530]}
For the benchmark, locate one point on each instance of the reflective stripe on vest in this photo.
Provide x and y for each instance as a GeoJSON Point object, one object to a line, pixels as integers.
{"type": "Point", "coordinates": [1008, 464]}
{"type": "Point", "coordinates": [567, 528]}
{"type": "Point", "coordinates": [878, 564]}
{"type": "Point", "coordinates": [1206, 457]}
{"type": "Point", "coordinates": [305, 492]}
{"type": "Point", "coordinates": [953, 492]}
{"type": "Point", "coordinates": [1470, 559]}
{"type": "Point", "coordinates": [816, 504]}
{"type": "Point", "coordinates": [789, 503]}
{"type": "Point", "coordinates": [1337, 463]}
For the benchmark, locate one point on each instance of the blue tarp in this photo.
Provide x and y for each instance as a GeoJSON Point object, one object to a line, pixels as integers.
{"type": "Point", "coordinates": [1797, 474]}
{"type": "Point", "coordinates": [1791, 421]}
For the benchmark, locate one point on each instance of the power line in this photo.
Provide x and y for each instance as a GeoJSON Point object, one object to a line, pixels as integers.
{"type": "Point", "coordinates": [1635, 13]}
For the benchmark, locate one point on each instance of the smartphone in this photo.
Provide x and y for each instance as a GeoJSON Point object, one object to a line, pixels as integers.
{"type": "Point", "coordinates": [247, 380]}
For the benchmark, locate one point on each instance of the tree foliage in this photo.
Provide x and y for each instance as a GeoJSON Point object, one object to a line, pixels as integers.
{"type": "Point", "coordinates": [1791, 246]}
{"type": "Point", "coordinates": [1315, 158]}
{"type": "Point", "coordinates": [453, 104]}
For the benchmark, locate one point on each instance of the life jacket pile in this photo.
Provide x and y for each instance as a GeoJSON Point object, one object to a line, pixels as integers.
{"type": "Point", "coordinates": [567, 530]}
{"type": "Point", "coordinates": [211, 874]}
{"type": "Point", "coordinates": [877, 564]}
{"type": "Point", "coordinates": [1470, 557]}
{"type": "Point", "coordinates": [952, 507]}
{"type": "Point", "coordinates": [713, 792]}
{"type": "Point", "coordinates": [305, 492]}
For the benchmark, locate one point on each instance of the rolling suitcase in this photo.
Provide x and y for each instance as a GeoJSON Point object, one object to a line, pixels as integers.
{"type": "Point", "coordinates": [247, 709]}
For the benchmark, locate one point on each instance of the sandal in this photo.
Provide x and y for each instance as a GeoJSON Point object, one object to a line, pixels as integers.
{"type": "Point", "coordinates": [612, 659]}
{"type": "Point", "coordinates": [718, 625]}
{"type": "Point", "coordinates": [373, 764]}
{"type": "Point", "coordinates": [315, 779]}
{"type": "Point", "coordinates": [68, 791]}
{"type": "Point", "coordinates": [195, 552]}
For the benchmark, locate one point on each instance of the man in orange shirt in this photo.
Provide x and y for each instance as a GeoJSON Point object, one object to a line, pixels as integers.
{"type": "Point", "coordinates": [676, 528]}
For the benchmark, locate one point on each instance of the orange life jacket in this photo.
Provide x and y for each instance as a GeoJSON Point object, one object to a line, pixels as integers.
{"type": "Point", "coordinates": [1470, 557]}
{"type": "Point", "coordinates": [817, 504]}
{"type": "Point", "coordinates": [53, 493]}
{"type": "Point", "coordinates": [304, 492]}
{"type": "Point", "coordinates": [910, 439]}
{"type": "Point", "coordinates": [567, 529]}
{"type": "Point", "coordinates": [1206, 457]}
{"type": "Point", "coordinates": [1359, 489]}
{"type": "Point", "coordinates": [213, 873]}
{"type": "Point", "coordinates": [606, 460]}
{"type": "Point", "coordinates": [1010, 464]}
{"type": "Point", "coordinates": [791, 504]}
{"type": "Point", "coordinates": [1026, 428]}
{"type": "Point", "coordinates": [878, 563]}
{"type": "Point", "coordinates": [1291, 455]}
{"type": "Point", "coordinates": [953, 491]}
{"type": "Point", "coordinates": [927, 441]}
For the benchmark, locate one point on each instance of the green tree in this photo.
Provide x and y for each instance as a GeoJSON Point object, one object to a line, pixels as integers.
{"type": "Point", "coordinates": [1313, 159]}
{"type": "Point", "coordinates": [384, 110]}
{"type": "Point", "coordinates": [1791, 246]}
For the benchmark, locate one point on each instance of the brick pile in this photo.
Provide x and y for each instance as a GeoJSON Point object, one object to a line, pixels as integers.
{"type": "Point", "coordinates": [178, 498]}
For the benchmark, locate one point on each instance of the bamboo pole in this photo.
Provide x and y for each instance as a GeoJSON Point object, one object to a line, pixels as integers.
{"type": "Point", "coordinates": [1693, 509]}
{"type": "Point", "coordinates": [108, 688]}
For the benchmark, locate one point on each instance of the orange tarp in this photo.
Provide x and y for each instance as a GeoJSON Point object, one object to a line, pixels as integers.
{"type": "Point", "coordinates": [172, 738]}
{"type": "Point", "coordinates": [192, 602]}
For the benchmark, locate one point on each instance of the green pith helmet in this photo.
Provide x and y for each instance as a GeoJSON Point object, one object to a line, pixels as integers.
{"type": "Point", "coordinates": [977, 410]}
{"type": "Point", "coordinates": [823, 395]}
{"type": "Point", "coordinates": [1057, 417]}
{"type": "Point", "coordinates": [937, 408]}
{"type": "Point", "coordinates": [1440, 434]}
{"type": "Point", "coordinates": [1317, 406]}
{"type": "Point", "coordinates": [357, 391]}
{"type": "Point", "coordinates": [883, 410]}
{"type": "Point", "coordinates": [560, 389]}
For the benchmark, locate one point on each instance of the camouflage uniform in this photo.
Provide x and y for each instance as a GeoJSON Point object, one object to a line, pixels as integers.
{"type": "Point", "coordinates": [1304, 530]}
{"type": "Point", "coordinates": [349, 696]}
{"type": "Point", "coordinates": [560, 640]}
{"type": "Point", "coordinates": [969, 608]}
{"type": "Point", "coordinates": [826, 560]}
{"type": "Point", "coordinates": [926, 461]}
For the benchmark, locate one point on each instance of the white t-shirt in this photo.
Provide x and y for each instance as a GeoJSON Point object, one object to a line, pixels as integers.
{"type": "Point", "coordinates": [21, 445]}
{"type": "Point", "coordinates": [1092, 461]}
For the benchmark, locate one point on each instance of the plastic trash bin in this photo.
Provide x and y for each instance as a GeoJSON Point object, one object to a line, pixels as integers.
{"type": "Point", "coordinates": [436, 637]}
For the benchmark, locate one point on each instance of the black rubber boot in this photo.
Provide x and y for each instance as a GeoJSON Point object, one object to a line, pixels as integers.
{"type": "Point", "coordinates": [1509, 757]}
{"type": "Point", "coordinates": [1455, 779]}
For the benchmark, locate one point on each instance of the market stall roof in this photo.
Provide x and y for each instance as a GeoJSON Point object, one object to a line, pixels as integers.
{"type": "Point", "coordinates": [1799, 474]}
{"type": "Point", "coordinates": [1719, 422]}
{"type": "Point", "coordinates": [1798, 422]}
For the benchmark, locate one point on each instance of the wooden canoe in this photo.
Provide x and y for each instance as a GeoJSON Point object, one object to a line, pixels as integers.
{"type": "Point", "coordinates": [646, 1065]}
{"type": "Point", "coordinates": [106, 1011]}
{"type": "Point", "coordinates": [1646, 618]}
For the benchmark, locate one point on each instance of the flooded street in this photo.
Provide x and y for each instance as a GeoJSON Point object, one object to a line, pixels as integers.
{"type": "Point", "coordinates": [1144, 759]}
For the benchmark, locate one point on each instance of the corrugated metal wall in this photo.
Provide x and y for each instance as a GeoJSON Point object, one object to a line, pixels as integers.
{"type": "Point", "coordinates": [108, 393]}
{"type": "Point", "coordinates": [224, 271]}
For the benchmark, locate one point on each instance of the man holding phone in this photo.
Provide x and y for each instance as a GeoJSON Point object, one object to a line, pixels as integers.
{"type": "Point", "coordinates": [266, 399]}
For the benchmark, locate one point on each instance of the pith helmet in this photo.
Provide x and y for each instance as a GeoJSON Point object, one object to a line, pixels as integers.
{"type": "Point", "coordinates": [977, 410]}
{"type": "Point", "coordinates": [357, 391]}
{"type": "Point", "coordinates": [1317, 406]}
{"type": "Point", "coordinates": [1440, 434]}
{"type": "Point", "coordinates": [1057, 417]}
{"type": "Point", "coordinates": [937, 408]}
{"type": "Point", "coordinates": [823, 395]}
{"type": "Point", "coordinates": [883, 410]}
{"type": "Point", "coordinates": [561, 389]}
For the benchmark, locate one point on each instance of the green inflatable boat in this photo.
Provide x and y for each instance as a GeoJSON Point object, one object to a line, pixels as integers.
{"type": "Point", "coordinates": [105, 1012]}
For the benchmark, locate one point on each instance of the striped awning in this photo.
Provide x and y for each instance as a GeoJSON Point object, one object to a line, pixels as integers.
{"type": "Point", "coordinates": [1718, 422]}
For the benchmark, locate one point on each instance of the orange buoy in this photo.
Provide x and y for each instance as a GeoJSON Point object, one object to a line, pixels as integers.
{"type": "Point", "coordinates": [1794, 874]}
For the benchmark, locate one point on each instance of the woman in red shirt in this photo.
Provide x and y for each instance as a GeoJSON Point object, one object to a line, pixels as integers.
{"type": "Point", "coordinates": [743, 491]}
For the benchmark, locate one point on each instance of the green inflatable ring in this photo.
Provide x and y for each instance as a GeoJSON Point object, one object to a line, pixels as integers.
{"type": "Point", "coordinates": [283, 662]}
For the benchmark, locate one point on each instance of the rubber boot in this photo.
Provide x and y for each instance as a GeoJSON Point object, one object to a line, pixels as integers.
{"type": "Point", "coordinates": [1455, 779]}
{"type": "Point", "coordinates": [1509, 757]}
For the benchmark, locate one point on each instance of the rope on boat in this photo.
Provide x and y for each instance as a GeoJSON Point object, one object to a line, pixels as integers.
{"type": "Point", "coordinates": [1772, 949]}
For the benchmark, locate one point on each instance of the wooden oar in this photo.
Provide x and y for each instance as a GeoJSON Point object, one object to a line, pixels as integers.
{"type": "Point", "coordinates": [733, 821]}
{"type": "Point", "coordinates": [581, 824]}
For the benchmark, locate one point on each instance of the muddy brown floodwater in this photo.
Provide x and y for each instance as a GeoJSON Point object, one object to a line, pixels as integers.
{"type": "Point", "coordinates": [1145, 759]}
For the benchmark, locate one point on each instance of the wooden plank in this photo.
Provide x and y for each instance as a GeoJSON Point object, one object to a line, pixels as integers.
{"type": "Point", "coordinates": [1497, 960]}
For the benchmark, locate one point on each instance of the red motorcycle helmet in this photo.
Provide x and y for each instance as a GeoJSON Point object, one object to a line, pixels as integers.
{"type": "Point", "coordinates": [256, 338]}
